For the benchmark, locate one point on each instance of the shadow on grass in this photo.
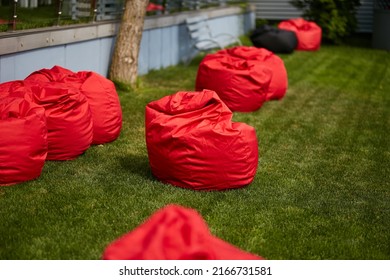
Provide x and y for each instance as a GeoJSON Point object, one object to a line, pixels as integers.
{"type": "Point", "coordinates": [136, 164]}
{"type": "Point", "coordinates": [357, 40]}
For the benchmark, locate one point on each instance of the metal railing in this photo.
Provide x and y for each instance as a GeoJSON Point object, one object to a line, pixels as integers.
{"type": "Point", "coordinates": [382, 4]}
{"type": "Point", "coordinates": [27, 14]}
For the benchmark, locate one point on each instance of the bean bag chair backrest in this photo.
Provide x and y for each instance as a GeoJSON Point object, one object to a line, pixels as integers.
{"type": "Point", "coordinates": [274, 39]}
{"type": "Point", "coordinates": [56, 73]}
{"type": "Point", "coordinates": [278, 84]}
{"type": "Point", "coordinates": [241, 84]}
{"type": "Point", "coordinates": [68, 116]}
{"type": "Point", "coordinates": [192, 143]}
{"type": "Point", "coordinates": [100, 93]}
{"type": "Point", "coordinates": [173, 233]}
{"type": "Point", "coordinates": [23, 141]}
{"type": "Point", "coordinates": [308, 33]}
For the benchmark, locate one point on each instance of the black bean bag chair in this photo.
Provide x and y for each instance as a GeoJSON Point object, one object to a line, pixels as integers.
{"type": "Point", "coordinates": [274, 39]}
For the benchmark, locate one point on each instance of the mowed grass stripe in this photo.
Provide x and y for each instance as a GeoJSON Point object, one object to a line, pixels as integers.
{"type": "Point", "coordinates": [321, 190]}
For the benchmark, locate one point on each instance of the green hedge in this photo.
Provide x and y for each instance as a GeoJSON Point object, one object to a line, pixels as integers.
{"type": "Point", "coordinates": [337, 18]}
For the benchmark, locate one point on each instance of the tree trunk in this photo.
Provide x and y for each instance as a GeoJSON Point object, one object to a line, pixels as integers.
{"type": "Point", "coordinates": [124, 65]}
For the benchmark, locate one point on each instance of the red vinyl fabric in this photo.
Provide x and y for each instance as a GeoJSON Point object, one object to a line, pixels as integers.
{"type": "Point", "coordinates": [4, 89]}
{"type": "Point", "coordinates": [23, 141]}
{"type": "Point", "coordinates": [17, 88]}
{"type": "Point", "coordinates": [308, 33]}
{"type": "Point", "coordinates": [241, 83]}
{"type": "Point", "coordinates": [101, 95]}
{"type": "Point", "coordinates": [69, 120]}
{"type": "Point", "coordinates": [174, 233]}
{"type": "Point", "coordinates": [55, 74]}
{"type": "Point", "coordinates": [68, 116]}
{"type": "Point", "coordinates": [104, 103]}
{"type": "Point", "coordinates": [278, 85]}
{"type": "Point", "coordinates": [193, 143]}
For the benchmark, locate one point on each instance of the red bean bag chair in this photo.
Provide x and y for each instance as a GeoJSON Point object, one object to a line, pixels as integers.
{"type": "Point", "coordinates": [68, 116]}
{"type": "Point", "coordinates": [278, 85]}
{"type": "Point", "coordinates": [193, 143]}
{"type": "Point", "coordinates": [241, 83]}
{"type": "Point", "coordinates": [23, 141]}
{"type": "Point", "coordinates": [101, 95]}
{"type": "Point", "coordinates": [69, 120]}
{"type": "Point", "coordinates": [173, 233]}
{"type": "Point", "coordinates": [308, 33]}
{"type": "Point", "coordinates": [104, 103]}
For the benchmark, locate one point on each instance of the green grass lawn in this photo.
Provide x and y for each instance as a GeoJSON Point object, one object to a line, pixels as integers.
{"type": "Point", "coordinates": [321, 191]}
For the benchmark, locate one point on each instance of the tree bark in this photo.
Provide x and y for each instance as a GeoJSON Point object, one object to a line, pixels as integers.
{"type": "Point", "coordinates": [124, 65]}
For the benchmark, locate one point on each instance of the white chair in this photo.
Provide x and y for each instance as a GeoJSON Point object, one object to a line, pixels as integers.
{"type": "Point", "coordinates": [203, 39]}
